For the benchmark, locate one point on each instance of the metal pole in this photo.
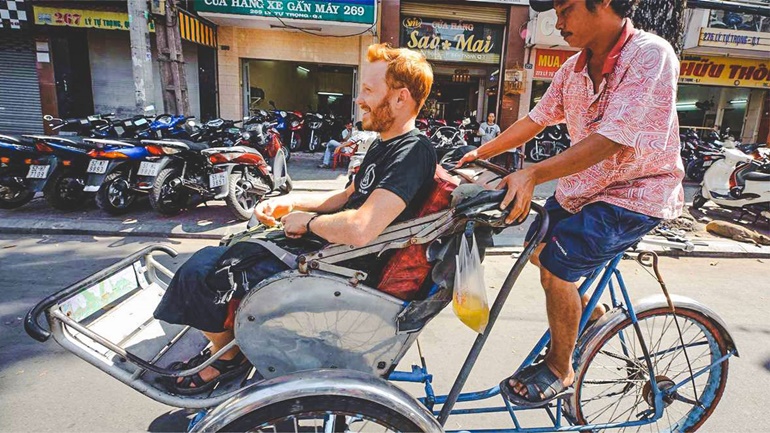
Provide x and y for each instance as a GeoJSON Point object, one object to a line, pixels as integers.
{"type": "Point", "coordinates": [141, 57]}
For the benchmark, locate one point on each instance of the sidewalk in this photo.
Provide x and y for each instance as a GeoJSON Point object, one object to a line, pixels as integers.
{"type": "Point", "coordinates": [214, 220]}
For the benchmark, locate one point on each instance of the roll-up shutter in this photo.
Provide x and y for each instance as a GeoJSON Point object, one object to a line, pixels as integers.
{"type": "Point", "coordinates": [20, 111]}
{"type": "Point", "coordinates": [479, 14]}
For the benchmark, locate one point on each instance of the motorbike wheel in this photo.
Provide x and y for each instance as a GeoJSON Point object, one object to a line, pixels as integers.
{"type": "Point", "coordinates": [559, 148]}
{"type": "Point", "coordinates": [286, 153]}
{"type": "Point", "coordinates": [535, 155]}
{"type": "Point", "coordinates": [287, 186]}
{"type": "Point", "coordinates": [239, 200]}
{"type": "Point", "coordinates": [313, 144]}
{"type": "Point", "coordinates": [12, 197]}
{"type": "Point", "coordinates": [698, 200]}
{"type": "Point", "coordinates": [115, 196]}
{"type": "Point", "coordinates": [295, 142]}
{"type": "Point", "coordinates": [329, 412]}
{"type": "Point", "coordinates": [64, 191]}
{"type": "Point", "coordinates": [695, 170]}
{"type": "Point", "coordinates": [168, 195]}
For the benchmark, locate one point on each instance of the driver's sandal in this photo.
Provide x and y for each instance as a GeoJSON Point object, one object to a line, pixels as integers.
{"type": "Point", "coordinates": [194, 384]}
{"type": "Point", "coordinates": [541, 384]}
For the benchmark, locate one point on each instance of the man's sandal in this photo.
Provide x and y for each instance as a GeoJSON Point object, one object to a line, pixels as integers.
{"type": "Point", "coordinates": [195, 384]}
{"type": "Point", "coordinates": [541, 384]}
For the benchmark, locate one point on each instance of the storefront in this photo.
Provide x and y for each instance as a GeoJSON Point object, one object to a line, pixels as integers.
{"type": "Point", "coordinates": [466, 47]}
{"type": "Point", "coordinates": [90, 53]}
{"type": "Point", "coordinates": [19, 89]}
{"type": "Point", "coordinates": [300, 54]}
{"type": "Point", "coordinates": [544, 66]}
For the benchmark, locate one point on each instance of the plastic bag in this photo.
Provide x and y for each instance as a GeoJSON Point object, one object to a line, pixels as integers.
{"type": "Point", "coordinates": [469, 300]}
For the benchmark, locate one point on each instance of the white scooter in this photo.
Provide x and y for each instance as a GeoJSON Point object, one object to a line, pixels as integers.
{"type": "Point", "coordinates": [739, 181]}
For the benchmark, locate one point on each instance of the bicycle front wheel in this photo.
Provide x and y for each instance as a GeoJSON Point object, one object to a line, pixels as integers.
{"type": "Point", "coordinates": [613, 383]}
{"type": "Point", "coordinates": [324, 414]}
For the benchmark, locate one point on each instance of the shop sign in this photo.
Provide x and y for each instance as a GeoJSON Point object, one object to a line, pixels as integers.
{"type": "Point", "coordinates": [728, 38]}
{"type": "Point", "coordinates": [347, 11]}
{"type": "Point", "coordinates": [105, 20]}
{"type": "Point", "coordinates": [725, 71]}
{"type": "Point", "coordinates": [547, 62]}
{"type": "Point", "coordinates": [453, 41]}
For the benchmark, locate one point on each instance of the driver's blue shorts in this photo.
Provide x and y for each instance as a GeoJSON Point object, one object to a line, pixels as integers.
{"type": "Point", "coordinates": [577, 244]}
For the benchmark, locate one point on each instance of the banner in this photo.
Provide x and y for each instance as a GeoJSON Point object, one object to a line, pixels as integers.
{"type": "Point", "coordinates": [725, 71]}
{"type": "Point", "coordinates": [547, 62]}
{"type": "Point", "coordinates": [105, 20]}
{"type": "Point", "coordinates": [453, 41]}
{"type": "Point", "coordinates": [347, 11]}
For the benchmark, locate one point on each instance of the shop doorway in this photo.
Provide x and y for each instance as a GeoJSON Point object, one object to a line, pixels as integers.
{"type": "Point", "coordinates": [462, 91]}
{"type": "Point", "coordinates": [72, 73]}
{"type": "Point", "coordinates": [297, 86]}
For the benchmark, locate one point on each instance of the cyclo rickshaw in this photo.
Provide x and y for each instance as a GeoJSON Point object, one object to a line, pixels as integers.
{"type": "Point", "coordinates": [325, 348]}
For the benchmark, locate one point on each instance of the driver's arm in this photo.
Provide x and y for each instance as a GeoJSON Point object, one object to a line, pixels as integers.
{"type": "Point", "coordinates": [522, 131]}
{"type": "Point", "coordinates": [360, 226]}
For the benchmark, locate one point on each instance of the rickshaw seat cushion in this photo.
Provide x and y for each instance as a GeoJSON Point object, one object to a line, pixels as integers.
{"type": "Point", "coordinates": [405, 273]}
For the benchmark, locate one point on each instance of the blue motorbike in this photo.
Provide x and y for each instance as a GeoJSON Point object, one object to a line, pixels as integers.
{"type": "Point", "coordinates": [24, 168]}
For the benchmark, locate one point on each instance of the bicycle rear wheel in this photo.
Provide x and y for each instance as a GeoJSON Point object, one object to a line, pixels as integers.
{"type": "Point", "coordinates": [613, 381]}
{"type": "Point", "coordinates": [324, 413]}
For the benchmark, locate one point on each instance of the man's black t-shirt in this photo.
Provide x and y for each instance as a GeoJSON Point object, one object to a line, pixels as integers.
{"type": "Point", "coordinates": [404, 165]}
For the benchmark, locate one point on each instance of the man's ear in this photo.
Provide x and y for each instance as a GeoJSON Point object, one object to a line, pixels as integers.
{"type": "Point", "coordinates": [403, 98]}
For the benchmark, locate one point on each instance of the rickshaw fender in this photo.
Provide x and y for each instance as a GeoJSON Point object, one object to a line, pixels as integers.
{"type": "Point", "coordinates": [606, 323]}
{"type": "Point", "coordinates": [312, 383]}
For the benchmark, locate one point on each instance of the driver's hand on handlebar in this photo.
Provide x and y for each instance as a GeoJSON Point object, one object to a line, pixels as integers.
{"type": "Point", "coordinates": [520, 187]}
{"type": "Point", "coordinates": [468, 158]}
{"type": "Point", "coordinates": [295, 224]}
{"type": "Point", "coordinates": [269, 212]}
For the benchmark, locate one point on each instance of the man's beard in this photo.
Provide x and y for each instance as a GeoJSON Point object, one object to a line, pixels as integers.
{"type": "Point", "coordinates": [380, 119]}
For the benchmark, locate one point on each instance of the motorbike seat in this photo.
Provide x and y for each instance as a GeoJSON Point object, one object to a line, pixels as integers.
{"type": "Point", "coordinates": [179, 144]}
{"type": "Point", "coordinates": [73, 140]}
{"type": "Point", "coordinates": [755, 175]}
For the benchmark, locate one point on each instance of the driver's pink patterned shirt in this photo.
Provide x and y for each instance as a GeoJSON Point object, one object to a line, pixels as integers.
{"type": "Point", "coordinates": [635, 106]}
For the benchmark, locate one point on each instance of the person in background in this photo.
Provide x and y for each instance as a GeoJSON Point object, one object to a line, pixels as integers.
{"type": "Point", "coordinates": [333, 144]}
{"type": "Point", "coordinates": [489, 130]}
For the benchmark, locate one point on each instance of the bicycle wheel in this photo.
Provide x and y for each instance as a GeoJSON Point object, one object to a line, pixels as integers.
{"type": "Point", "coordinates": [321, 414]}
{"type": "Point", "coordinates": [613, 381]}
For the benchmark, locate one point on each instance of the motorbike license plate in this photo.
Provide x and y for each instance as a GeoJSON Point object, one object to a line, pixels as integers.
{"type": "Point", "coordinates": [98, 166]}
{"type": "Point", "coordinates": [148, 169]}
{"type": "Point", "coordinates": [38, 171]}
{"type": "Point", "coordinates": [218, 179]}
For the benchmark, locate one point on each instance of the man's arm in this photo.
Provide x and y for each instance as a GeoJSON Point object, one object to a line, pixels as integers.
{"type": "Point", "coordinates": [268, 212]}
{"type": "Point", "coordinates": [355, 227]}
{"type": "Point", "coordinates": [590, 151]}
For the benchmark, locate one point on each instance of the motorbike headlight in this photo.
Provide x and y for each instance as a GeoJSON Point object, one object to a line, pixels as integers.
{"type": "Point", "coordinates": [295, 123]}
{"type": "Point", "coordinates": [246, 136]}
{"type": "Point", "coordinates": [283, 114]}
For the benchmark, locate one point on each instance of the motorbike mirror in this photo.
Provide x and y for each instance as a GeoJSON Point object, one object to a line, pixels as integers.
{"type": "Point", "coordinates": [272, 104]}
{"type": "Point", "coordinates": [48, 118]}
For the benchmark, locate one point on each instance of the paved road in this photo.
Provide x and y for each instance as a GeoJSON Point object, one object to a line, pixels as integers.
{"type": "Point", "coordinates": [45, 389]}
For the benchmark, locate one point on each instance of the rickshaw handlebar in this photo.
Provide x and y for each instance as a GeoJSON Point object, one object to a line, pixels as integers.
{"type": "Point", "coordinates": [39, 333]}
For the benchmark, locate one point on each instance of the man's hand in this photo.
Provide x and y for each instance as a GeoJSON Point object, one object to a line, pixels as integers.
{"type": "Point", "coordinates": [268, 212]}
{"type": "Point", "coordinates": [295, 224]}
{"type": "Point", "coordinates": [521, 186]}
{"type": "Point", "coordinates": [468, 158]}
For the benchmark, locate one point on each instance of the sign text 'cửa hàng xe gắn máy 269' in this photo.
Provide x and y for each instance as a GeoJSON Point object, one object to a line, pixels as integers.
{"type": "Point", "coordinates": [346, 11]}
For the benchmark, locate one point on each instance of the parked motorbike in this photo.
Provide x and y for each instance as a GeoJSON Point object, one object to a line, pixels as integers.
{"type": "Point", "coordinates": [195, 173]}
{"type": "Point", "coordinates": [119, 175]}
{"type": "Point", "coordinates": [65, 186]}
{"type": "Point", "coordinates": [314, 123]}
{"type": "Point", "coordinates": [553, 140]}
{"type": "Point", "coordinates": [737, 181]}
{"type": "Point", "coordinates": [429, 125]}
{"type": "Point", "coordinates": [261, 135]}
{"type": "Point", "coordinates": [216, 132]}
{"type": "Point", "coordinates": [94, 125]}
{"type": "Point", "coordinates": [24, 167]}
{"type": "Point", "coordinates": [289, 124]}
{"type": "Point", "coordinates": [703, 155]}
{"type": "Point", "coordinates": [469, 128]}
{"type": "Point", "coordinates": [445, 139]}
{"type": "Point", "coordinates": [171, 126]}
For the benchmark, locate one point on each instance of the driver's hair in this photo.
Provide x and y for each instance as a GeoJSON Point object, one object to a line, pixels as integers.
{"type": "Point", "coordinates": [406, 68]}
